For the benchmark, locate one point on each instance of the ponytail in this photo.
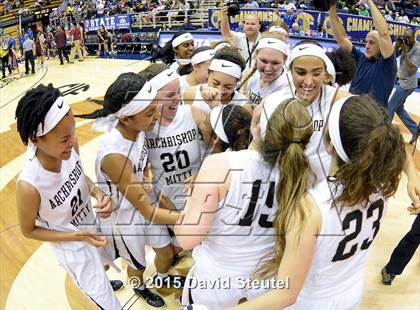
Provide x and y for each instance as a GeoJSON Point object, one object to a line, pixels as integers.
{"type": "Point", "coordinates": [118, 94]}
{"type": "Point", "coordinates": [375, 149]}
{"type": "Point", "coordinates": [236, 122]}
{"type": "Point", "coordinates": [289, 131]}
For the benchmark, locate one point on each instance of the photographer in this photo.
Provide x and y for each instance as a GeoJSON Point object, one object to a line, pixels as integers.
{"type": "Point", "coordinates": [409, 50]}
{"type": "Point", "coordinates": [377, 68]}
{"type": "Point", "coordinates": [246, 42]}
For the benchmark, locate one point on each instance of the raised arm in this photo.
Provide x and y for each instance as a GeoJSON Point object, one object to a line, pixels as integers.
{"type": "Point", "coordinates": [385, 42]}
{"type": "Point", "coordinates": [119, 169]}
{"type": "Point", "coordinates": [338, 30]}
{"type": "Point", "coordinates": [224, 23]}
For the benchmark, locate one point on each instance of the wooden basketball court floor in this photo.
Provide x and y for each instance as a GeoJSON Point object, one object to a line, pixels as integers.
{"type": "Point", "coordinates": [30, 277]}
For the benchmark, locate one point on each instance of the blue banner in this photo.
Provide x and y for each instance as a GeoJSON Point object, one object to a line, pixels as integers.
{"type": "Point", "coordinates": [356, 26]}
{"type": "Point", "coordinates": [109, 22]}
{"type": "Point", "coordinates": [204, 38]}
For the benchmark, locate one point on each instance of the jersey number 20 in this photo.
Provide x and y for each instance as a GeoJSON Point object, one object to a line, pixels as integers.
{"type": "Point", "coordinates": [357, 217]}
{"type": "Point", "coordinates": [179, 160]}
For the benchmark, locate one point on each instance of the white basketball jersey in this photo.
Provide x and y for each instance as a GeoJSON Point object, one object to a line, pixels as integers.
{"type": "Point", "coordinates": [256, 93]}
{"type": "Point", "coordinates": [242, 231]}
{"type": "Point", "coordinates": [199, 102]}
{"type": "Point", "coordinates": [65, 202]}
{"type": "Point", "coordinates": [113, 142]}
{"type": "Point", "coordinates": [342, 249]}
{"type": "Point", "coordinates": [316, 151]}
{"type": "Point", "coordinates": [183, 83]}
{"type": "Point", "coordinates": [175, 155]}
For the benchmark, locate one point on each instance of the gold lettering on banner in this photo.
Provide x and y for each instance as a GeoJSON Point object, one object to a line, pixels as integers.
{"type": "Point", "coordinates": [307, 20]}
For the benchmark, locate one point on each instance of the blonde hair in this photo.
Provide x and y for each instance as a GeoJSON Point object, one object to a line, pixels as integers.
{"type": "Point", "coordinates": [289, 131]}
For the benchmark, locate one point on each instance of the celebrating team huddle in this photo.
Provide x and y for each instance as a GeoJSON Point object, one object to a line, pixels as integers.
{"type": "Point", "coordinates": [276, 178]}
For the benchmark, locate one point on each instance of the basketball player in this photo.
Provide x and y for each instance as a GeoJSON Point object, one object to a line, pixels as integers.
{"type": "Point", "coordinates": [53, 193]}
{"type": "Point", "coordinates": [198, 71]}
{"type": "Point", "coordinates": [128, 111]}
{"type": "Point", "coordinates": [268, 75]}
{"type": "Point", "coordinates": [308, 65]}
{"type": "Point", "coordinates": [323, 239]}
{"type": "Point", "coordinates": [173, 143]}
{"type": "Point", "coordinates": [228, 220]}
{"type": "Point", "coordinates": [225, 72]}
{"type": "Point", "coordinates": [177, 51]}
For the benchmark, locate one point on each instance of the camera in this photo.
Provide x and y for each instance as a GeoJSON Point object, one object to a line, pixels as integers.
{"type": "Point", "coordinates": [402, 40]}
{"type": "Point", "coordinates": [233, 7]}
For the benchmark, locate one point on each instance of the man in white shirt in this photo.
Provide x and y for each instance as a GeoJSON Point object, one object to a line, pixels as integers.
{"type": "Point", "coordinates": [245, 42]}
{"type": "Point", "coordinates": [288, 5]}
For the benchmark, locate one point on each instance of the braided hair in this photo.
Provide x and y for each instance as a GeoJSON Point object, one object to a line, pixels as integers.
{"type": "Point", "coordinates": [118, 94]}
{"type": "Point", "coordinates": [32, 109]}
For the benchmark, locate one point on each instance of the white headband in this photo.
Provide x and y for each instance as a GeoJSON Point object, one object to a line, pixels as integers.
{"type": "Point", "coordinates": [334, 128]}
{"type": "Point", "coordinates": [163, 79]}
{"type": "Point", "coordinates": [181, 39]}
{"type": "Point", "coordinates": [308, 49]}
{"type": "Point", "coordinates": [277, 29]}
{"type": "Point", "coordinates": [139, 103]}
{"type": "Point", "coordinates": [202, 56]}
{"type": "Point", "coordinates": [330, 69]}
{"type": "Point", "coordinates": [275, 44]}
{"type": "Point", "coordinates": [216, 122]}
{"type": "Point", "coordinates": [55, 114]}
{"type": "Point", "coordinates": [227, 67]}
{"type": "Point", "coordinates": [222, 45]}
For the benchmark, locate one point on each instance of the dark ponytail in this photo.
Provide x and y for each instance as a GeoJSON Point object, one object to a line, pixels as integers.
{"type": "Point", "coordinates": [118, 94]}
{"type": "Point", "coordinates": [375, 148]}
{"type": "Point", "coordinates": [345, 65]}
{"type": "Point", "coordinates": [237, 123]}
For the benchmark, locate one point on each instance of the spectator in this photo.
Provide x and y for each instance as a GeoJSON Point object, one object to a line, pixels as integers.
{"type": "Point", "coordinates": [4, 55]}
{"type": "Point", "coordinates": [21, 40]}
{"type": "Point", "coordinates": [40, 48]}
{"type": "Point", "coordinates": [354, 10]}
{"type": "Point", "coordinates": [387, 15]}
{"type": "Point", "coordinates": [186, 25]}
{"type": "Point", "coordinates": [288, 5]}
{"type": "Point", "coordinates": [29, 48]}
{"type": "Point", "coordinates": [377, 68]}
{"type": "Point", "coordinates": [76, 41]}
{"type": "Point", "coordinates": [289, 18]}
{"type": "Point", "coordinates": [103, 37]}
{"type": "Point", "coordinates": [409, 50]}
{"type": "Point", "coordinates": [363, 11]}
{"type": "Point", "coordinates": [295, 30]}
{"type": "Point", "coordinates": [415, 21]}
{"type": "Point", "coordinates": [245, 42]}
{"type": "Point", "coordinates": [251, 4]}
{"type": "Point", "coordinates": [402, 17]}
{"type": "Point", "coordinates": [49, 43]}
{"type": "Point", "coordinates": [61, 42]}
{"type": "Point", "coordinates": [402, 254]}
